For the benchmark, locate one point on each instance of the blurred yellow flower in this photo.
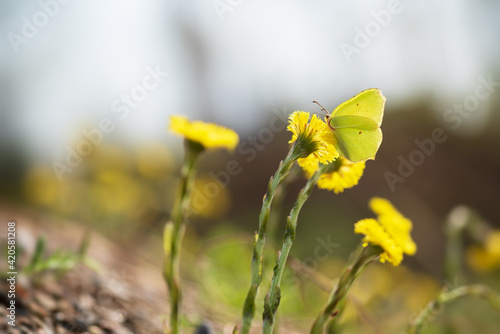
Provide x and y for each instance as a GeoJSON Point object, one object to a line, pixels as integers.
{"type": "Point", "coordinates": [41, 186]}
{"type": "Point", "coordinates": [154, 161]}
{"type": "Point", "coordinates": [207, 134]}
{"type": "Point", "coordinates": [342, 174]}
{"type": "Point", "coordinates": [209, 199]}
{"type": "Point", "coordinates": [487, 257]}
{"type": "Point", "coordinates": [117, 193]}
{"type": "Point", "coordinates": [315, 137]}
{"type": "Point", "coordinates": [391, 231]}
{"type": "Point", "coordinates": [107, 156]}
{"type": "Point", "coordinates": [493, 243]}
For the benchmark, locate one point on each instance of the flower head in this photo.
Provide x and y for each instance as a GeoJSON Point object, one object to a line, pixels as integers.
{"type": "Point", "coordinates": [341, 174]}
{"type": "Point", "coordinates": [209, 135]}
{"type": "Point", "coordinates": [391, 231]}
{"type": "Point", "coordinates": [485, 257]}
{"type": "Point", "coordinates": [216, 207]}
{"type": "Point", "coordinates": [314, 137]}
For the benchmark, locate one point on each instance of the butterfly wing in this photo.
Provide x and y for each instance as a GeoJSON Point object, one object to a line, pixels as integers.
{"type": "Point", "coordinates": [356, 125]}
{"type": "Point", "coordinates": [357, 138]}
{"type": "Point", "coordinates": [369, 103]}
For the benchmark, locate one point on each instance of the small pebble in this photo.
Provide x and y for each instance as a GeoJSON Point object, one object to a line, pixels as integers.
{"type": "Point", "coordinates": [96, 330]}
{"type": "Point", "coordinates": [46, 300]}
{"type": "Point", "coordinates": [37, 309]}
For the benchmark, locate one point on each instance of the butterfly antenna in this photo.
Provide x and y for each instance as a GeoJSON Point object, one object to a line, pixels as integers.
{"type": "Point", "coordinates": [322, 108]}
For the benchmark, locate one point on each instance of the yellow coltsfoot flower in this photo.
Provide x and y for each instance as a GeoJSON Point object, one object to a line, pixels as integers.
{"type": "Point", "coordinates": [486, 257]}
{"type": "Point", "coordinates": [198, 137]}
{"type": "Point", "coordinates": [314, 138]}
{"type": "Point", "coordinates": [209, 135]}
{"type": "Point", "coordinates": [391, 231]}
{"type": "Point", "coordinates": [341, 174]}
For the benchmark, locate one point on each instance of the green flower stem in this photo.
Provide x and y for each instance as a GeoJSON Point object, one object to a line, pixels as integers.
{"type": "Point", "coordinates": [460, 222]}
{"type": "Point", "coordinates": [178, 219]}
{"type": "Point", "coordinates": [339, 292]}
{"type": "Point", "coordinates": [260, 238]}
{"type": "Point", "coordinates": [448, 296]}
{"type": "Point", "coordinates": [332, 324]}
{"type": "Point", "coordinates": [456, 225]}
{"type": "Point", "coordinates": [277, 207]}
{"type": "Point", "coordinates": [272, 299]}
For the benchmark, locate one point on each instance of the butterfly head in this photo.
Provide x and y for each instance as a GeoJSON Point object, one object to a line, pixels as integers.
{"type": "Point", "coordinates": [327, 116]}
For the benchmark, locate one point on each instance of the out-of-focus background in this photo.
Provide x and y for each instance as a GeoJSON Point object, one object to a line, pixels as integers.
{"type": "Point", "coordinates": [87, 88]}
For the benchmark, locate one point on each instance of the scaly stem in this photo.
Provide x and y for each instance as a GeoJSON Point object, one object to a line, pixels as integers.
{"type": "Point", "coordinates": [178, 218]}
{"type": "Point", "coordinates": [272, 299]}
{"type": "Point", "coordinates": [260, 238]}
{"type": "Point", "coordinates": [455, 227]}
{"type": "Point", "coordinates": [448, 296]}
{"type": "Point", "coordinates": [339, 292]}
{"type": "Point", "coordinates": [277, 207]}
{"type": "Point", "coordinates": [461, 221]}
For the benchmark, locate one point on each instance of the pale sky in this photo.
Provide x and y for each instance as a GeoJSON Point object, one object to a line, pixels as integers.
{"type": "Point", "coordinates": [261, 55]}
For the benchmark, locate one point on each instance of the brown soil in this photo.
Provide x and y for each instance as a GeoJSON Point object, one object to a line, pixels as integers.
{"type": "Point", "coordinates": [126, 296]}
